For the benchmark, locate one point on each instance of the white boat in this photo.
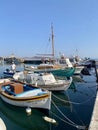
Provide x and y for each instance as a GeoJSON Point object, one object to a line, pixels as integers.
{"type": "Point", "coordinates": [73, 64]}
{"type": "Point", "coordinates": [24, 95]}
{"type": "Point", "coordinates": [44, 80]}
{"type": "Point", "coordinates": [78, 69]}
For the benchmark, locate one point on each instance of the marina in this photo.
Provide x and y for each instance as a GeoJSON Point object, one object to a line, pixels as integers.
{"type": "Point", "coordinates": [71, 109]}
{"type": "Point", "coordinates": [48, 65]}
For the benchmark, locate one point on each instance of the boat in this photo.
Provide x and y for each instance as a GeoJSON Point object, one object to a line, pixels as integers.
{"type": "Point", "coordinates": [8, 73]}
{"type": "Point", "coordinates": [55, 69]}
{"type": "Point", "coordinates": [78, 69]}
{"type": "Point", "coordinates": [24, 95]}
{"type": "Point", "coordinates": [52, 65]}
{"type": "Point", "coordinates": [44, 80]}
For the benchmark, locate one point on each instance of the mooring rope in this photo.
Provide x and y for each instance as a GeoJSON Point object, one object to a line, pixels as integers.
{"type": "Point", "coordinates": [62, 113]}
{"type": "Point", "coordinates": [70, 122]}
{"type": "Point", "coordinates": [74, 102]}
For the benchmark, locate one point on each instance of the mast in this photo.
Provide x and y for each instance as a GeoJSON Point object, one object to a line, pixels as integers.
{"type": "Point", "coordinates": [52, 37]}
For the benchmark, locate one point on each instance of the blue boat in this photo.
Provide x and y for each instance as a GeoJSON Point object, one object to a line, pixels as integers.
{"type": "Point", "coordinates": [8, 73]}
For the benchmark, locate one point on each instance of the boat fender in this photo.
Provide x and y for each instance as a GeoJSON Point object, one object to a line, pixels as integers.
{"type": "Point", "coordinates": [48, 119]}
{"type": "Point", "coordinates": [28, 110]}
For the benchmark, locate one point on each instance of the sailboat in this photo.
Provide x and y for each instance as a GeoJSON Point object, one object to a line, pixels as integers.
{"type": "Point", "coordinates": [53, 67]}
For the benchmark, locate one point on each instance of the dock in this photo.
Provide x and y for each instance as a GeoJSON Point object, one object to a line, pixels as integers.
{"type": "Point", "coordinates": [94, 119]}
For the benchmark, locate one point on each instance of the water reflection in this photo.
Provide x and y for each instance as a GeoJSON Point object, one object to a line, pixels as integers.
{"type": "Point", "coordinates": [19, 117]}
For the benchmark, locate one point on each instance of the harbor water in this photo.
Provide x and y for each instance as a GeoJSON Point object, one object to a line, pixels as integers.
{"type": "Point", "coordinates": [71, 109]}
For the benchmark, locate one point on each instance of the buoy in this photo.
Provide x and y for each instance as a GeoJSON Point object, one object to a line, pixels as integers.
{"type": "Point", "coordinates": [2, 125]}
{"type": "Point", "coordinates": [48, 119]}
{"type": "Point", "coordinates": [28, 110]}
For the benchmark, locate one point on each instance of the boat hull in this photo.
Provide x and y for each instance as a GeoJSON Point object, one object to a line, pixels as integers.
{"type": "Point", "coordinates": [8, 74]}
{"type": "Point", "coordinates": [58, 72]}
{"type": "Point", "coordinates": [78, 69]}
{"type": "Point", "coordinates": [58, 87]}
{"type": "Point", "coordinates": [42, 102]}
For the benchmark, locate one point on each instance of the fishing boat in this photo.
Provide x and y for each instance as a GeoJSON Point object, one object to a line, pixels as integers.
{"type": "Point", "coordinates": [55, 69]}
{"type": "Point", "coordinates": [24, 95]}
{"type": "Point", "coordinates": [44, 80]}
{"type": "Point", "coordinates": [8, 73]}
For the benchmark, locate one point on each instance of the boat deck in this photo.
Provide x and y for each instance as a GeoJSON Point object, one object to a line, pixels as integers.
{"type": "Point", "coordinates": [94, 119]}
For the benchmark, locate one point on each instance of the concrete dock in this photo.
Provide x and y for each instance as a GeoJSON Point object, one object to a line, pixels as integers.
{"type": "Point", "coordinates": [94, 119]}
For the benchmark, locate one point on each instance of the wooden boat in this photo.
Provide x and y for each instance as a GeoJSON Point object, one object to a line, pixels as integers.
{"type": "Point", "coordinates": [44, 80]}
{"type": "Point", "coordinates": [24, 95]}
{"type": "Point", "coordinates": [55, 69]}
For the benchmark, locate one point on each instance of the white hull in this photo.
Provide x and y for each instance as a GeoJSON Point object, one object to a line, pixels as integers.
{"type": "Point", "coordinates": [44, 103]}
{"type": "Point", "coordinates": [78, 69]}
{"type": "Point", "coordinates": [58, 87]}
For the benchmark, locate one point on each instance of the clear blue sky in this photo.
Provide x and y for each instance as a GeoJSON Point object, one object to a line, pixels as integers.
{"type": "Point", "coordinates": [25, 27]}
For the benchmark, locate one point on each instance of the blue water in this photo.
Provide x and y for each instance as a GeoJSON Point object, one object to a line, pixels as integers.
{"type": "Point", "coordinates": [70, 108]}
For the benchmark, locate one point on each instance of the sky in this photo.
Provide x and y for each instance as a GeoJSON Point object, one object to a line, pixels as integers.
{"type": "Point", "coordinates": [25, 27]}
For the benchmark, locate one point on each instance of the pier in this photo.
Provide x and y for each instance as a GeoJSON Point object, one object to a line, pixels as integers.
{"type": "Point", "coordinates": [94, 118]}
